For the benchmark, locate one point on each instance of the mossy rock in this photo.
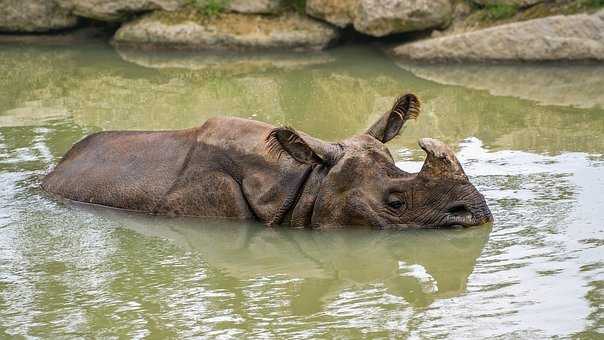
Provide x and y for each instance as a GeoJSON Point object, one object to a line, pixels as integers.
{"type": "Point", "coordinates": [192, 30]}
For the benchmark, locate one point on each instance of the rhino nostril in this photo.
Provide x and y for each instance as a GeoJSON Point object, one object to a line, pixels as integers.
{"type": "Point", "coordinates": [458, 209]}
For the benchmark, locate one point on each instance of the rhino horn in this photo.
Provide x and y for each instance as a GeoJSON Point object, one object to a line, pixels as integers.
{"type": "Point", "coordinates": [441, 161]}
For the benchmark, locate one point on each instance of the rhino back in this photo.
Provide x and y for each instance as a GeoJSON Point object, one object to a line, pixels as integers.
{"type": "Point", "coordinates": [123, 169]}
{"type": "Point", "coordinates": [236, 148]}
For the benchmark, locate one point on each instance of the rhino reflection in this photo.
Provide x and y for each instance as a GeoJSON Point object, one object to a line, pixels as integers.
{"type": "Point", "coordinates": [419, 266]}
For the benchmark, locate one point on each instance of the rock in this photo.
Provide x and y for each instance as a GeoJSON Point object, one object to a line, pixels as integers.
{"type": "Point", "coordinates": [518, 3]}
{"type": "Point", "coordinates": [227, 31]}
{"type": "Point", "coordinates": [379, 18]}
{"type": "Point", "coordinates": [33, 16]}
{"type": "Point", "coordinates": [337, 12]}
{"type": "Point", "coordinates": [256, 6]}
{"type": "Point", "coordinates": [117, 10]}
{"type": "Point", "coordinates": [573, 37]}
{"type": "Point", "coordinates": [461, 9]}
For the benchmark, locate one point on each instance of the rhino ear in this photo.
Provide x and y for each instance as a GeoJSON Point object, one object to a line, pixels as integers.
{"type": "Point", "coordinates": [388, 126]}
{"type": "Point", "coordinates": [300, 146]}
{"type": "Point", "coordinates": [440, 162]}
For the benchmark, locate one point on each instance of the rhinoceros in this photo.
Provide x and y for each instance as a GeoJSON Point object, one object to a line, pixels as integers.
{"type": "Point", "coordinates": [245, 169]}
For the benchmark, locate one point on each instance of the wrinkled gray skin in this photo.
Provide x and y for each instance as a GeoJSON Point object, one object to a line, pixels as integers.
{"type": "Point", "coordinates": [244, 169]}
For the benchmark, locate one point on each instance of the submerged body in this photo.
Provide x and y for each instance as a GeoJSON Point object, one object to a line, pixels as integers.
{"type": "Point", "coordinates": [204, 171]}
{"type": "Point", "coordinates": [244, 169]}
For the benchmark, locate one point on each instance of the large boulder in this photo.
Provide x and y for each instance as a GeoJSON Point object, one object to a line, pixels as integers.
{"type": "Point", "coordinates": [33, 16]}
{"type": "Point", "coordinates": [337, 12]}
{"type": "Point", "coordinates": [122, 10]}
{"type": "Point", "coordinates": [227, 31]}
{"type": "Point", "coordinates": [256, 6]}
{"type": "Point", "coordinates": [382, 17]}
{"type": "Point", "coordinates": [573, 37]}
{"type": "Point", "coordinates": [117, 10]}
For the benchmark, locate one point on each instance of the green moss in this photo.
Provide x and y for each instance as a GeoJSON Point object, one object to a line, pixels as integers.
{"type": "Point", "coordinates": [214, 7]}
{"type": "Point", "coordinates": [173, 18]}
{"type": "Point", "coordinates": [591, 3]}
{"type": "Point", "coordinates": [209, 8]}
{"type": "Point", "coordinates": [586, 5]}
{"type": "Point", "coordinates": [500, 11]}
{"type": "Point", "coordinates": [491, 15]}
{"type": "Point", "coordinates": [298, 5]}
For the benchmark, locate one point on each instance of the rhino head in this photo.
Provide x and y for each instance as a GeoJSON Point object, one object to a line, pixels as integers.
{"type": "Point", "coordinates": [356, 182]}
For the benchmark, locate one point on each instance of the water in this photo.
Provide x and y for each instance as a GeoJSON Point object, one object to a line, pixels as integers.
{"type": "Point", "coordinates": [530, 138]}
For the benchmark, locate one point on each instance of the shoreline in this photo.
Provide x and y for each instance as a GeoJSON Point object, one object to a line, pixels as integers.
{"type": "Point", "coordinates": [455, 31]}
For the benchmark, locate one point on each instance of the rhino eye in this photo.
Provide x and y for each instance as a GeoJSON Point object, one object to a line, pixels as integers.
{"type": "Point", "coordinates": [395, 203]}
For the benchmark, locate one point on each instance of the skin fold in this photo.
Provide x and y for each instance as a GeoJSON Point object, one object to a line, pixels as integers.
{"type": "Point", "coordinates": [244, 169]}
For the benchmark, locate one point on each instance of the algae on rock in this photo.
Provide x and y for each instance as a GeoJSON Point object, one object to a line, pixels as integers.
{"type": "Point", "coordinates": [556, 38]}
{"type": "Point", "coordinates": [380, 18]}
{"type": "Point", "coordinates": [191, 30]}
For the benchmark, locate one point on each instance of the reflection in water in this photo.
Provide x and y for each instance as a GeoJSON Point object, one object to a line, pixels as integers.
{"type": "Point", "coordinates": [72, 271]}
{"type": "Point", "coordinates": [574, 85]}
{"type": "Point", "coordinates": [97, 89]}
{"type": "Point", "coordinates": [405, 263]}
{"type": "Point", "coordinates": [233, 63]}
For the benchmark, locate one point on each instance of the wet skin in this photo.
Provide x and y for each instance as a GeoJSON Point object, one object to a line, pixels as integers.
{"type": "Point", "coordinates": [244, 169]}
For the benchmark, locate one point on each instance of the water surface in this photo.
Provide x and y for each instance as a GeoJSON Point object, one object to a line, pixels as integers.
{"type": "Point", "coordinates": [530, 138]}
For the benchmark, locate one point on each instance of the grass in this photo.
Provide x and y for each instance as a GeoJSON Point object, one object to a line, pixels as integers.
{"type": "Point", "coordinates": [209, 8]}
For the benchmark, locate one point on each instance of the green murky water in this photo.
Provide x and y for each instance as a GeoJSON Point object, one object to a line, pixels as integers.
{"type": "Point", "coordinates": [530, 138]}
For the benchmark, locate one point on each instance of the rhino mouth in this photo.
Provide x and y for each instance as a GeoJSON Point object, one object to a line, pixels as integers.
{"type": "Point", "coordinates": [471, 220]}
{"type": "Point", "coordinates": [463, 216]}
{"type": "Point", "coordinates": [460, 225]}
{"type": "Point", "coordinates": [406, 226]}
{"type": "Point", "coordinates": [449, 222]}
